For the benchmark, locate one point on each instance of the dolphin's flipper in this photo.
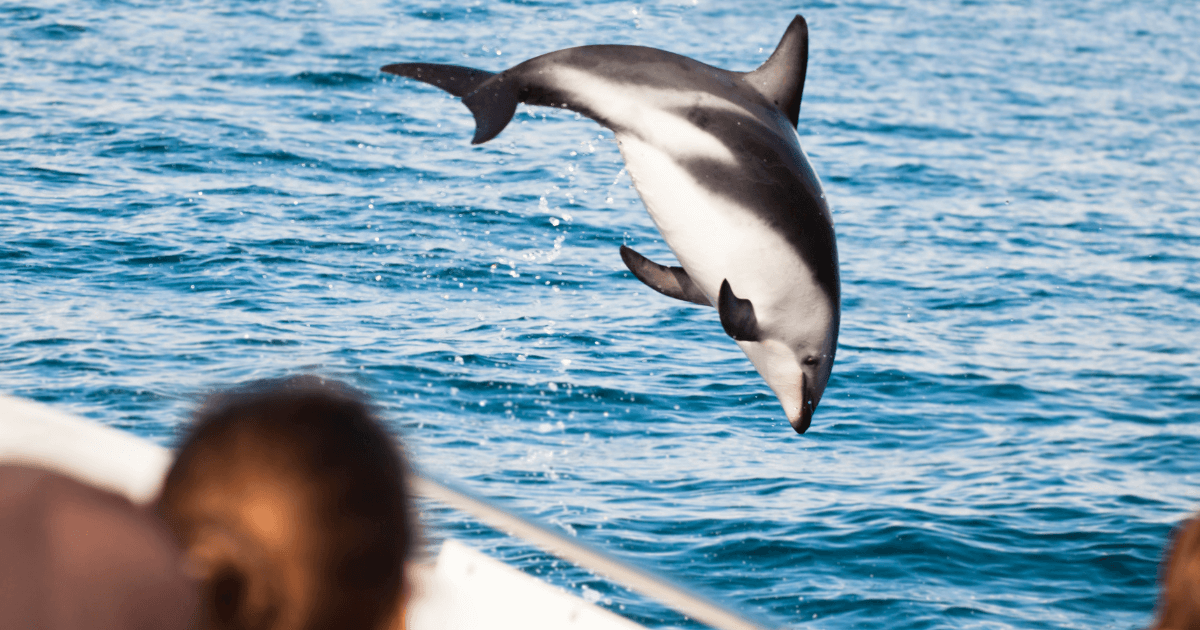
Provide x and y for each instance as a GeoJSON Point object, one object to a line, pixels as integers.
{"type": "Point", "coordinates": [781, 77]}
{"type": "Point", "coordinates": [669, 281]}
{"type": "Point", "coordinates": [490, 98]}
{"type": "Point", "coordinates": [737, 315]}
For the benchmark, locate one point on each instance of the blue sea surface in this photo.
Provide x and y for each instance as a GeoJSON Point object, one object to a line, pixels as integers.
{"type": "Point", "coordinates": [198, 193]}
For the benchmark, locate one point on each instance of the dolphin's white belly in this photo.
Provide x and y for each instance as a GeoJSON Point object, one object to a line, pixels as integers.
{"type": "Point", "coordinates": [715, 238]}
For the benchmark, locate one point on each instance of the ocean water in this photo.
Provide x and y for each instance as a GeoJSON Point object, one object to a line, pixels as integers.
{"type": "Point", "coordinates": [199, 193]}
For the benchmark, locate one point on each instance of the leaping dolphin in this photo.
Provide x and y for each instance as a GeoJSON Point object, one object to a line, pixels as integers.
{"type": "Point", "coordinates": [715, 157]}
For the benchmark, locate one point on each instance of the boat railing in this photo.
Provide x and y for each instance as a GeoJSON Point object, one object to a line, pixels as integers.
{"type": "Point", "coordinates": [681, 599]}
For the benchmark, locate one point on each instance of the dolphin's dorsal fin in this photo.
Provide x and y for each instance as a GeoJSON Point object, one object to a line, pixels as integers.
{"type": "Point", "coordinates": [669, 281]}
{"type": "Point", "coordinates": [781, 78]}
{"type": "Point", "coordinates": [737, 315]}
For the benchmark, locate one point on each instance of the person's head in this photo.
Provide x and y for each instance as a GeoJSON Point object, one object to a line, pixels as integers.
{"type": "Point", "coordinates": [1179, 599]}
{"type": "Point", "coordinates": [291, 502]}
{"type": "Point", "coordinates": [74, 557]}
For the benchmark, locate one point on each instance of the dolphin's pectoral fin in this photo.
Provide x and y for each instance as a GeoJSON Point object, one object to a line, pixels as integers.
{"type": "Point", "coordinates": [737, 315]}
{"type": "Point", "coordinates": [781, 77]}
{"type": "Point", "coordinates": [491, 97]}
{"type": "Point", "coordinates": [669, 281]}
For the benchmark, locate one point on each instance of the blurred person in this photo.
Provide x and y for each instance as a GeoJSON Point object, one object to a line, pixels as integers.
{"type": "Point", "coordinates": [1179, 599]}
{"type": "Point", "coordinates": [74, 557]}
{"type": "Point", "coordinates": [291, 502]}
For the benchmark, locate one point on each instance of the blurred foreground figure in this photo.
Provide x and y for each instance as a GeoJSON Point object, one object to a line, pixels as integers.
{"type": "Point", "coordinates": [1179, 601]}
{"type": "Point", "coordinates": [291, 502]}
{"type": "Point", "coordinates": [76, 557]}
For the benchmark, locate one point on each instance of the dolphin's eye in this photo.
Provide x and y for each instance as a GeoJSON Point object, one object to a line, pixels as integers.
{"type": "Point", "coordinates": [810, 361]}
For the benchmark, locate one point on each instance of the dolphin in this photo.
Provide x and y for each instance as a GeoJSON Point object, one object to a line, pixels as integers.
{"type": "Point", "coordinates": [715, 157]}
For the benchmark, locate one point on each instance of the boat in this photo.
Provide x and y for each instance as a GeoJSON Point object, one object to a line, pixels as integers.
{"type": "Point", "coordinates": [463, 589]}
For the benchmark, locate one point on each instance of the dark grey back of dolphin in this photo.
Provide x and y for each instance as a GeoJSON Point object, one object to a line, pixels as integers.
{"type": "Point", "coordinates": [780, 79]}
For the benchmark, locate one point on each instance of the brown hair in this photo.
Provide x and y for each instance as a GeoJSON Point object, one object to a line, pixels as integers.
{"type": "Point", "coordinates": [1179, 600]}
{"type": "Point", "coordinates": [291, 501]}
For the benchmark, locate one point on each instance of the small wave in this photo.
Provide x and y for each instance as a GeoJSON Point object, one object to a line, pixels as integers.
{"type": "Point", "coordinates": [57, 32]}
{"type": "Point", "coordinates": [278, 156]}
{"type": "Point", "coordinates": [186, 167]}
{"type": "Point", "coordinates": [1003, 391]}
{"type": "Point", "coordinates": [21, 14]}
{"type": "Point", "coordinates": [331, 79]}
{"type": "Point", "coordinates": [166, 259]}
{"type": "Point", "coordinates": [439, 15]}
{"type": "Point", "coordinates": [54, 175]}
{"type": "Point", "coordinates": [914, 132]}
{"type": "Point", "coordinates": [10, 113]}
{"type": "Point", "coordinates": [152, 145]}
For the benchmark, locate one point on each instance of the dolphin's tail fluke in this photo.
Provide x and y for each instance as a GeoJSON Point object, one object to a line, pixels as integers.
{"type": "Point", "coordinates": [491, 98]}
{"type": "Point", "coordinates": [457, 80]}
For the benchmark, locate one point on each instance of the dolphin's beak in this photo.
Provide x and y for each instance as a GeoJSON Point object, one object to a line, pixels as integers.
{"type": "Point", "coordinates": [807, 406]}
